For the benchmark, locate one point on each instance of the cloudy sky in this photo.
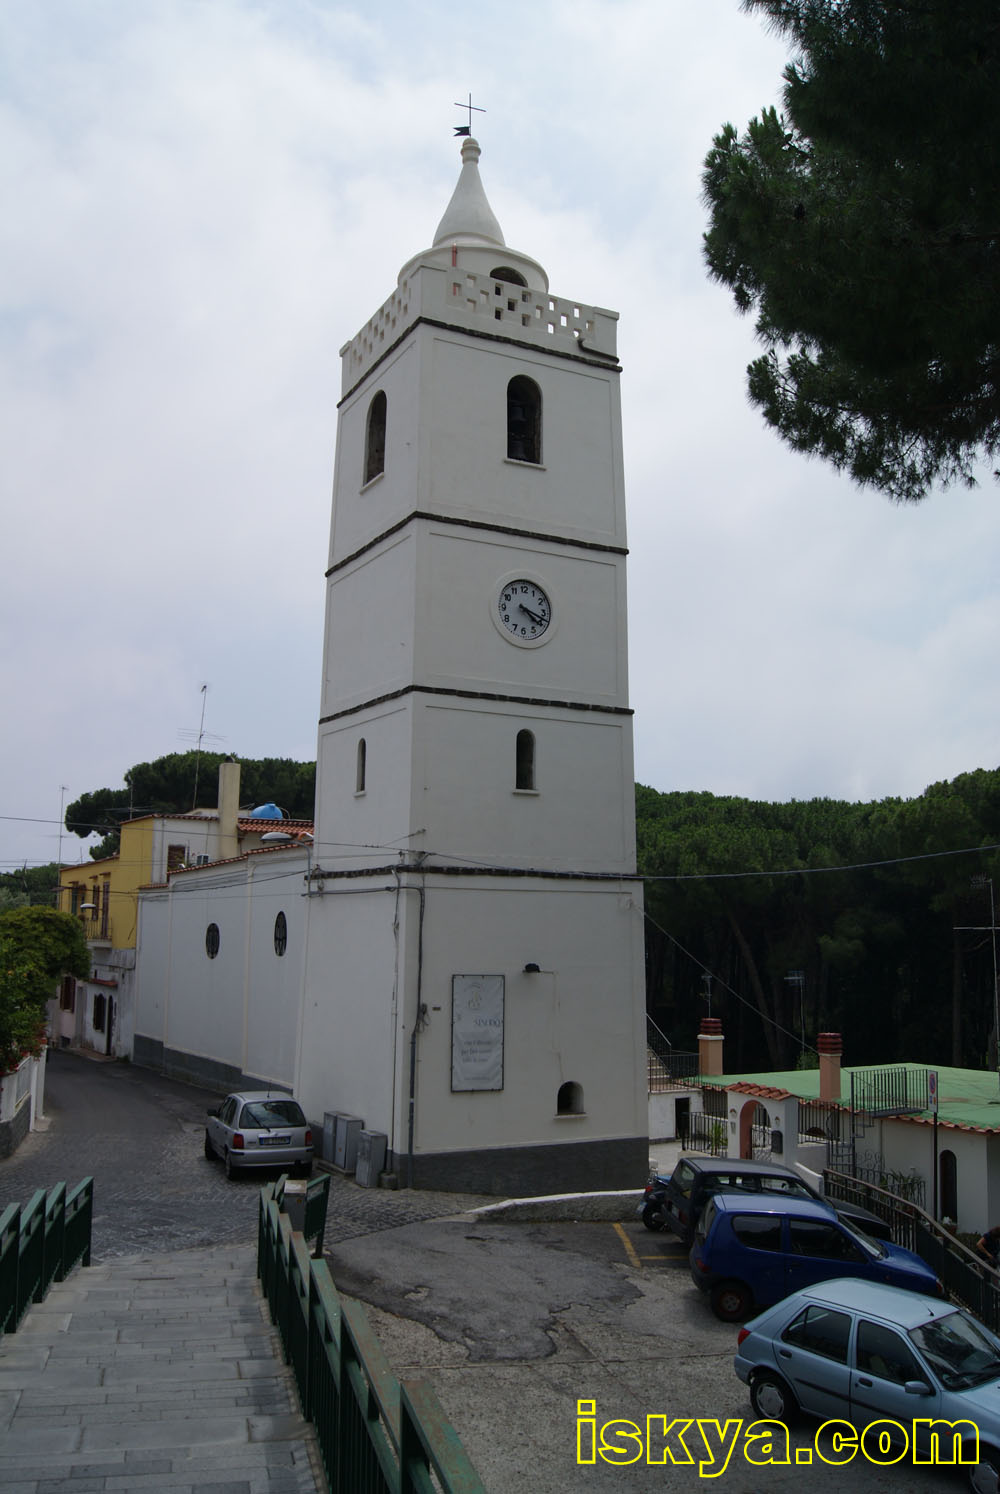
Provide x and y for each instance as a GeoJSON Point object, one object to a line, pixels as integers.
{"type": "Point", "coordinates": [204, 199]}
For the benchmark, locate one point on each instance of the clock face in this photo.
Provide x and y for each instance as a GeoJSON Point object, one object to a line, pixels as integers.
{"type": "Point", "coordinates": [524, 611]}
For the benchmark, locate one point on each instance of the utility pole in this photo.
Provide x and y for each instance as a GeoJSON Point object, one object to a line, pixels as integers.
{"type": "Point", "coordinates": [981, 881]}
{"type": "Point", "coordinates": [62, 800]}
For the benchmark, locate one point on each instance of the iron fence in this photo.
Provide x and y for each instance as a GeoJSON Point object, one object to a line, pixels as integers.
{"type": "Point", "coordinates": [40, 1243]}
{"type": "Point", "coordinates": [375, 1433]}
{"type": "Point", "coordinates": [706, 1133]}
{"type": "Point", "coordinates": [966, 1278]}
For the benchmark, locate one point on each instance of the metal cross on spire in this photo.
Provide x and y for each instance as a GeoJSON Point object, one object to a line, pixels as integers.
{"type": "Point", "coordinates": [467, 129]}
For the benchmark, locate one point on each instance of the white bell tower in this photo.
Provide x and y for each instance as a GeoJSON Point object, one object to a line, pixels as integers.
{"type": "Point", "coordinates": [474, 977]}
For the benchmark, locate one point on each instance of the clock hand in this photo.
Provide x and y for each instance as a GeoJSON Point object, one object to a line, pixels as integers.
{"type": "Point", "coordinates": [536, 617]}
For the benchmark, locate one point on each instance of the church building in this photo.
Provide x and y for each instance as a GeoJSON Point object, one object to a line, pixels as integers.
{"type": "Point", "coordinates": [473, 969]}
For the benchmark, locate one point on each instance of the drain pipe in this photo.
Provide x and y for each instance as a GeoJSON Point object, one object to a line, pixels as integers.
{"type": "Point", "coordinates": [417, 1026]}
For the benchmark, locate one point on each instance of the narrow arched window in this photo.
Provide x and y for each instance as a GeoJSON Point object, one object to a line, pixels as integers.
{"type": "Point", "coordinates": [375, 437]}
{"type": "Point", "coordinates": [525, 767]}
{"type": "Point", "coordinates": [362, 768]}
{"type": "Point", "coordinates": [569, 1100]}
{"type": "Point", "coordinates": [524, 420]}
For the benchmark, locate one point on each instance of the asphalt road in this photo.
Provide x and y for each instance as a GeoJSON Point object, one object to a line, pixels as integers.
{"type": "Point", "coordinates": [141, 1137]}
{"type": "Point", "coordinates": [513, 1324]}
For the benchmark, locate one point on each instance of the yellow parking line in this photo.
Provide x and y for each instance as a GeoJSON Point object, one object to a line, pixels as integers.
{"type": "Point", "coordinates": [630, 1250]}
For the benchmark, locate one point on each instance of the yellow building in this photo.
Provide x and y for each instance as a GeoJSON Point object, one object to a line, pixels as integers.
{"type": "Point", "coordinates": [98, 1012]}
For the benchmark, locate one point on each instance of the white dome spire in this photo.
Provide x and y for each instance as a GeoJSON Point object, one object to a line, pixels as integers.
{"type": "Point", "coordinates": [470, 236]}
{"type": "Point", "coordinates": [468, 216]}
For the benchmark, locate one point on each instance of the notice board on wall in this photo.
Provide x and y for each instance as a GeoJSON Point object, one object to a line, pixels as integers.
{"type": "Point", "coordinates": [477, 1016]}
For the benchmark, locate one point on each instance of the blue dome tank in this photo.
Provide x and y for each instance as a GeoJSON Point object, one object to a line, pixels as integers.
{"type": "Point", "coordinates": [267, 811]}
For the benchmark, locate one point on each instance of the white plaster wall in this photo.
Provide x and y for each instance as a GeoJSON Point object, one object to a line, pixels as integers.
{"type": "Point", "coordinates": [204, 1013]}
{"type": "Point", "coordinates": [369, 626]}
{"type": "Point", "coordinates": [465, 797]}
{"type": "Point", "coordinates": [583, 654]}
{"type": "Point", "coordinates": [274, 982]}
{"type": "Point", "coordinates": [360, 515]}
{"type": "Point", "coordinates": [351, 827]}
{"type": "Point", "coordinates": [152, 964]}
{"type": "Point", "coordinates": [579, 489]}
{"type": "Point", "coordinates": [349, 1026]}
{"type": "Point", "coordinates": [579, 1019]}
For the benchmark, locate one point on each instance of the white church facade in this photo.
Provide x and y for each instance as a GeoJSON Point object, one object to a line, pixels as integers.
{"type": "Point", "coordinates": [472, 973]}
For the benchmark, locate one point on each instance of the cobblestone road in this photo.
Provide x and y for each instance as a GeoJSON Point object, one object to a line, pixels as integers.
{"type": "Point", "coordinates": [140, 1136]}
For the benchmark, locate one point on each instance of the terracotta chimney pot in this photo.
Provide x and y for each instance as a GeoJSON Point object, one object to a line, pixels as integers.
{"type": "Point", "coordinates": [710, 1042]}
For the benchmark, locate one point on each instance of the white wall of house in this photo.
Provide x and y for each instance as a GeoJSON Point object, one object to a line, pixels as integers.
{"type": "Point", "coordinates": [238, 1010]}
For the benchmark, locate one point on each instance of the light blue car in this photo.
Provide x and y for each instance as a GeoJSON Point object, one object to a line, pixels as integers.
{"type": "Point", "coordinates": [859, 1352]}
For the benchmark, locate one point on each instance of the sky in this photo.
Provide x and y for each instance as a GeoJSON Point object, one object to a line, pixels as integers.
{"type": "Point", "coordinates": [205, 199]}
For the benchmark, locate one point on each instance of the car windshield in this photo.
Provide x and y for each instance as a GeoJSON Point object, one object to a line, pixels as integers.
{"type": "Point", "coordinates": [790, 1187]}
{"type": "Point", "coordinates": [958, 1350]}
{"type": "Point", "coordinates": [874, 1248]}
{"type": "Point", "coordinates": [266, 1114]}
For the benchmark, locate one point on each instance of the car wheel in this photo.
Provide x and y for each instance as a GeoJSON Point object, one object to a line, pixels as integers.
{"type": "Point", "coordinates": [771, 1398]}
{"type": "Point", "coordinates": [209, 1149]}
{"type": "Point", "coordinates": [731, 1301]}
{"type": "Point", "coordinates": [652, 1217]}
{"type": "Point", "coordinates": [984, 1476]}
{"type": "Point", "coordinates": [232, 1171]}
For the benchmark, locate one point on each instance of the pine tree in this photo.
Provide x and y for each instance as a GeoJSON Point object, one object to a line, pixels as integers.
{"type": "Point", "coordinates": [862, 225]}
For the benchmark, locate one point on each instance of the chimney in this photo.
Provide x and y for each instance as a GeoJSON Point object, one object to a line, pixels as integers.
{"type": "Point", "coordinates": [830, 1045]}
{"type": "Point", "coordinates": [710, 1047]}
{"type": "Point", "coordinates": [229, 809]}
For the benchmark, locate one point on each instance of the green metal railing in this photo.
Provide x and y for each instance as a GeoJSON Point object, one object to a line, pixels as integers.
{"type": "Point", "coordinates": [40, 1243]}
{"type": "Point", "coordinates": [376, 1434]}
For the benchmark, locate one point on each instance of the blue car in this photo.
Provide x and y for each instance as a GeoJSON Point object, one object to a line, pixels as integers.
{"type": "Point", "coordinates": [860, 1352]}
{"type": "Point", "coordinates": [752, 1251]}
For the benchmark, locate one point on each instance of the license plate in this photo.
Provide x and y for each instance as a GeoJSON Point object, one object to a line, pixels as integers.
{"type": "Point", "coordinates": [273, 1140]}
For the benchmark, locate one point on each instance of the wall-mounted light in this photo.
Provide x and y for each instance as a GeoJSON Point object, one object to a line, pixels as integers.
{"type": "Point", "coordinates": [532, 969]}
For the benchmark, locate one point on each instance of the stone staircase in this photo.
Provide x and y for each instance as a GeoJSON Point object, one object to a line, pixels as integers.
{"type": "Point", "coordinates": [157, 1372]}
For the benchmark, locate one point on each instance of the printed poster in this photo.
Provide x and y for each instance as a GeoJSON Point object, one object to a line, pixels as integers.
{"type": "Point", "coordinates": [477, 1032]}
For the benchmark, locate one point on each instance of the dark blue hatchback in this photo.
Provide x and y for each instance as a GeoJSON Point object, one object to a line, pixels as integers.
{"type": "Point", "coordinates": [752, 1251]}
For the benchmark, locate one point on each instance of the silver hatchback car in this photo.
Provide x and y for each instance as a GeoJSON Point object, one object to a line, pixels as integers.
{"type": "Point", "coordinates": [860, 1352]}
{"type": "Point", "coordinates": [261, 1129]}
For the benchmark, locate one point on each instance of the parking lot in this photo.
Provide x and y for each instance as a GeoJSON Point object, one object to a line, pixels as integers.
{"type": "Point", "coordinates": [516, 1325]}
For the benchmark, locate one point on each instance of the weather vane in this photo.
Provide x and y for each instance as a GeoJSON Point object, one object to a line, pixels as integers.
{"type": "Point", "coordinates": [467, 129]}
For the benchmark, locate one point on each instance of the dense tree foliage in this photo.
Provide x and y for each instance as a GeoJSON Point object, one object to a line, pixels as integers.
{"type": "Point", "coordinates": [895, 953]}
{"type": "Point", "coordinates": [37, 946]}
{"type": "Point", "coordinates": [28, 886]}
{"type": "Point", "coordinates": [862, 224]}
{"type": "Point", "coordinates": [183, 781]}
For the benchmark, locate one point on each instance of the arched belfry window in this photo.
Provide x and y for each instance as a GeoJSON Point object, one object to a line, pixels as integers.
{"type": "Point", "coordinates": [362, 768]}
{"type": "Point", "coordinates": [508, 275]}
{"type": "Point", "coordinates": [525, 766]}
{"type": "Point", "coordinates": [524, 420]}
{"type": "Point", "coordinates": [375, 437]}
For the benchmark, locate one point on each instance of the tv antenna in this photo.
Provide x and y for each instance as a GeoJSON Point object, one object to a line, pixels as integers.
{"type": "Point", "coordinates": [188, 734]}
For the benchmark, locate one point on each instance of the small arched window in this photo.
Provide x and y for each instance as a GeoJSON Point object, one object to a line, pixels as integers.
{"type": "Point", "coordinates": [525, 766]}
{"type": "Point", "coordinates": [362, 768]}
{"type": "Point", "coordinates": [569, 1100]}
{"type": "Point", "coordinates": [375, 437]}
{"type": "Point", "coordinates": [280, 934]}
{"type": "Point", "coordinates": [508, 275]}
{"type": "Point", "coordinates": [524, 420]}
